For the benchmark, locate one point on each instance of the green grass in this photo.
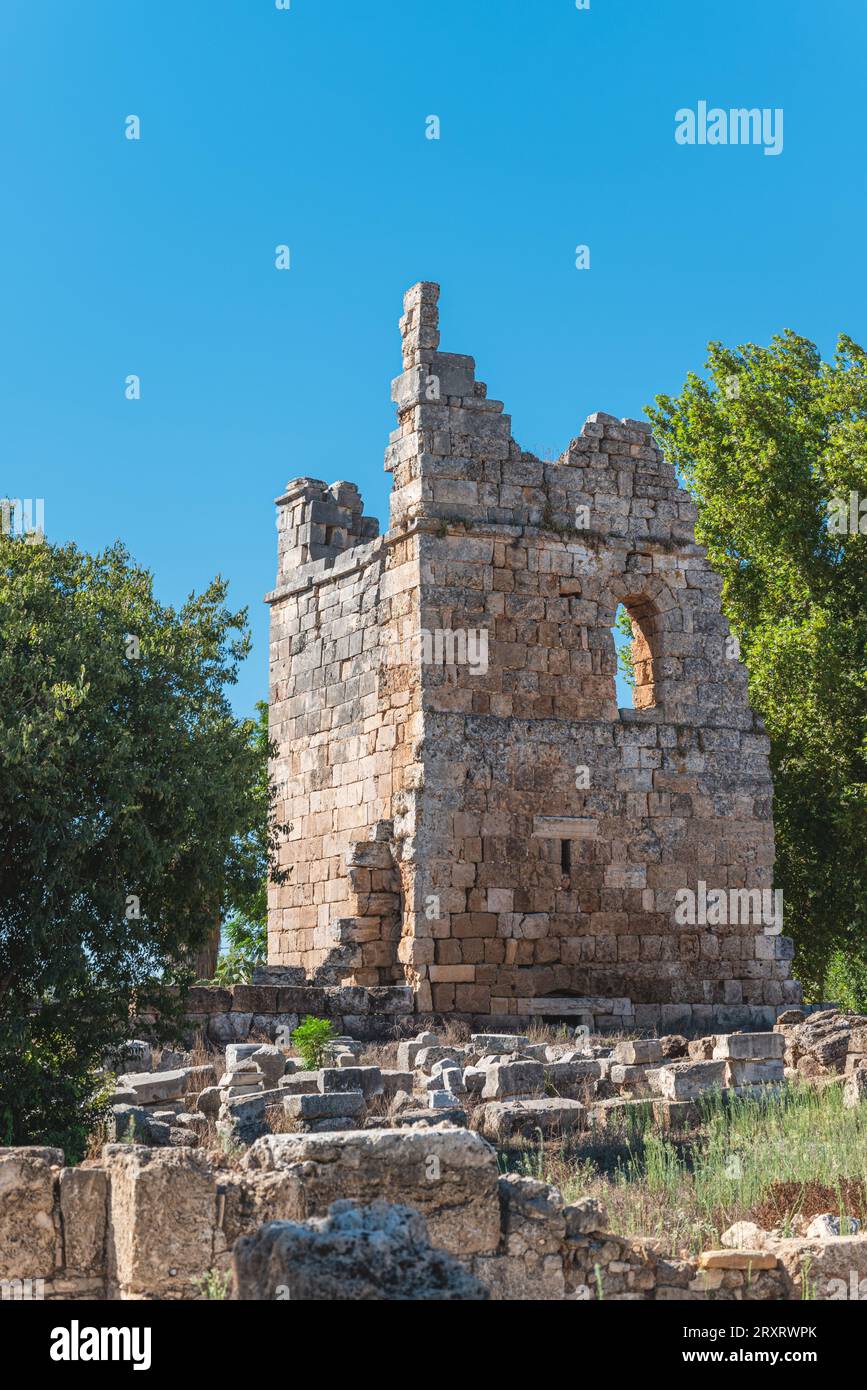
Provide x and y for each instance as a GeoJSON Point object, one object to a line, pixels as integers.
{"type": "Point", "coordinates": [687, 1190]}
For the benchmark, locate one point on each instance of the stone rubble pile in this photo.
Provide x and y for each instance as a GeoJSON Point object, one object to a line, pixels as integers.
{"type": "Point", "coordinates": [501, 1084]}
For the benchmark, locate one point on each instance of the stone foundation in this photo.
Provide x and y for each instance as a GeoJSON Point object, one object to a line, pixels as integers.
{"type": "Point", "coordinates": [151, 1223]}
{"type": "Point", "coordinates": [237, 1013]}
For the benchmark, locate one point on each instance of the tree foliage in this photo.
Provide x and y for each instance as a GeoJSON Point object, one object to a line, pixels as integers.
{"type": "Point", "coordinates": [252, 864]}
{"type": "Point", "coordinates": [767, 441]}
{"type": "Point", "coordinates": [124, 782]}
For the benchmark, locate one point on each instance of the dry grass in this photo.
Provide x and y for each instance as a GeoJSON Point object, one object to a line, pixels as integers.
{"type": "Point", "coordinates": [770, 1160]}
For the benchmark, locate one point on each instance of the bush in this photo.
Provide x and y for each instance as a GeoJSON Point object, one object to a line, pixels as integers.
{"type": "Point", "coordinates": [312, 1038]}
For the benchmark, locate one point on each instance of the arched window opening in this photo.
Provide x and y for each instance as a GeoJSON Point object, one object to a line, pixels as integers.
{"type": "Point", "coordinates": [634, 640]}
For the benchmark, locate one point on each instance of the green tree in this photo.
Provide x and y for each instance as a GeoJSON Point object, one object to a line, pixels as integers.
{"type": "Point", "coordinates": [124, 781]}
{"type": "Point", "coordinates": [767, 442]}
{"type": "Point", "coordinates": [252, 864]}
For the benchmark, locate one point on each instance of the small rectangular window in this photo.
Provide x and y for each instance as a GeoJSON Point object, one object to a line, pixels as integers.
{"type": "Point", "coordinates": [566, 856]}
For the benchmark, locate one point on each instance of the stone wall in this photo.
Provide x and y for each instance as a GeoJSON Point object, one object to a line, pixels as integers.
{"type": "Point", "coordinates": [496, 832]}
{"type": "Point", "coordinates": [152, 1223]}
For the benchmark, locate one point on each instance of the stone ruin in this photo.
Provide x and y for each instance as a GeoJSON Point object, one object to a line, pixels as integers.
{"type": "Point", "coordinates": [379, 1187]}
{"type": "Point", "coordinates": [469, 812]}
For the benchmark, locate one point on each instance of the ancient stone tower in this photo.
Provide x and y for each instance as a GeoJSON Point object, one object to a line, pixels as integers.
{"type": "Point", "coordinates": [470, 811]}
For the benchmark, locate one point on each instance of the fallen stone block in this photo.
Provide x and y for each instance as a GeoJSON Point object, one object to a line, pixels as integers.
{"type": "Point", "coordinates": [676, 1114]}
{"type": "Point", "coordinates": [137, 1055]}
{"type": "Point", "coordinates": [209, 1101]}
{"type": "Point", "coordinates": [501, 1121]}
{"type": "Point", "coordinates": [687, 1080]}
{"type": "Point", "coordinates": [427, 1056]}
{"type": "Point", "coordinates": [674, 1046]}
{"type": "Point", "coordinates": [348, 1105]}
{"type": "Point", "coordinates": [408, 1051]}
{"type": "Point", "coordinates": [271, 1061]}
{"type": "Point", "coordinates": [482, 1043]}
{"type": "Point", "coordinates": [474, 1079]}
{"type": "Point", "coordinates": [633, 1080]}
{"type": "Point", "coordinates": [244, 1119]}
{"type": "Point", "coordinates": [744, 1235]}
{"type": "Point", "coordinates": [299, 1083]}
{"type": "Point", "coordinates": [761, 1072]}
{"type": "Point", "coordinates": [378, 1252]}
{"type": "Point", "coordinates": [749, 1046]}
{"type": "Point", "coordinates": [440, 1100]}
{"type": "Point", "coordinates": [448, 1174]}
{"type": "Point", "coordinates": [343, 1044]}
{"type": "Point", "coordinates": [830, 1226]}
{"type": "Point", "coordinates": [395, 1081]}
{"type": "Point", "coordinates": [152, 1086]}
{"type": "Point", "coordinates": [619, 1113]}
{"type": "Point", "coordinates": [128, 1122]}
{"type": "Point", "coordinates": [452, 1080]}
{"type": "Point", "coordinates": [438, 1116]}
{"type": "Point", "coordinates": [508, 1079]}
{"type": "Point", "coordinates": [737, 1259]}
{"type": "Point", "coordinates": [368, 1080]}
{"type": "Point", "coordinates": [855, 1089]}
{"type": "Point", "coordinates": [573, 1078]}
{"type": "Point", "coordinates": [239, 1052]}
{"type": "Point", "coordinates": [638, 1052]}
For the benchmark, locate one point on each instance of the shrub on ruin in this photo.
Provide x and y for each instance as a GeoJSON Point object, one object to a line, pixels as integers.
{"type": "Point", "coordinates": [313, 1037]}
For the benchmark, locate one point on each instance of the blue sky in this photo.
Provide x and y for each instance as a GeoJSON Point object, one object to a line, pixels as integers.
{"type": "Point", "coordinates": [262, 126]}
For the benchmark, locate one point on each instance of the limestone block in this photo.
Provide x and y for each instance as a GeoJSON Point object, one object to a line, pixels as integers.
{"type": "Point", "coordinates": [318, 1106]}
{"type": "Point", "coordinates": [242, 1119]}
{"type": "Point", "coordinates": [482, 1043]}
{"type": "Point", "coordinates": [749, 1046]}
{"type": "Point", "coordinates": [408, 1051]}
{"type": "Point", "coordinates": [395, 1081]}
{"type": "Point", "coordinates": [638, 1051]}
{"type": "Point", "coordinates": [737, 1259]}
{"type": "Point", "coordinates": [427, 1056]}
{"type": "Point", "coordinates": [855, 1089]}
{"type": "Point", "coordinates": [686, 1080]}
{"type": "Point", "coordinates": [449, 1175]}
{"type": "Point", "coordinates": [830, 1269]}
{"type": "Point", "coordinates": [152, 1086]}
{"type": "Point", "coordinates": [378, 1252]}
{"type": "Point", "coordinates": [507, 1079]}
{"type": "Point", "coordinates": [299, 1083]}
{"type": "Point", "coordinates": [162, 1212]}
{"type": "Point", "coordinates": [501, 1121]}
{"type": "Point", "coordinates": [28, 1230]}
{"type": "Point", "coordinates": [764, 1071]}
{"type": "Point", "coordinates": [84, 1214]}
{"type": "Point", "coordinates": [368, 1080]}
{"type": "Point", "coordinates": [239, 1052]}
